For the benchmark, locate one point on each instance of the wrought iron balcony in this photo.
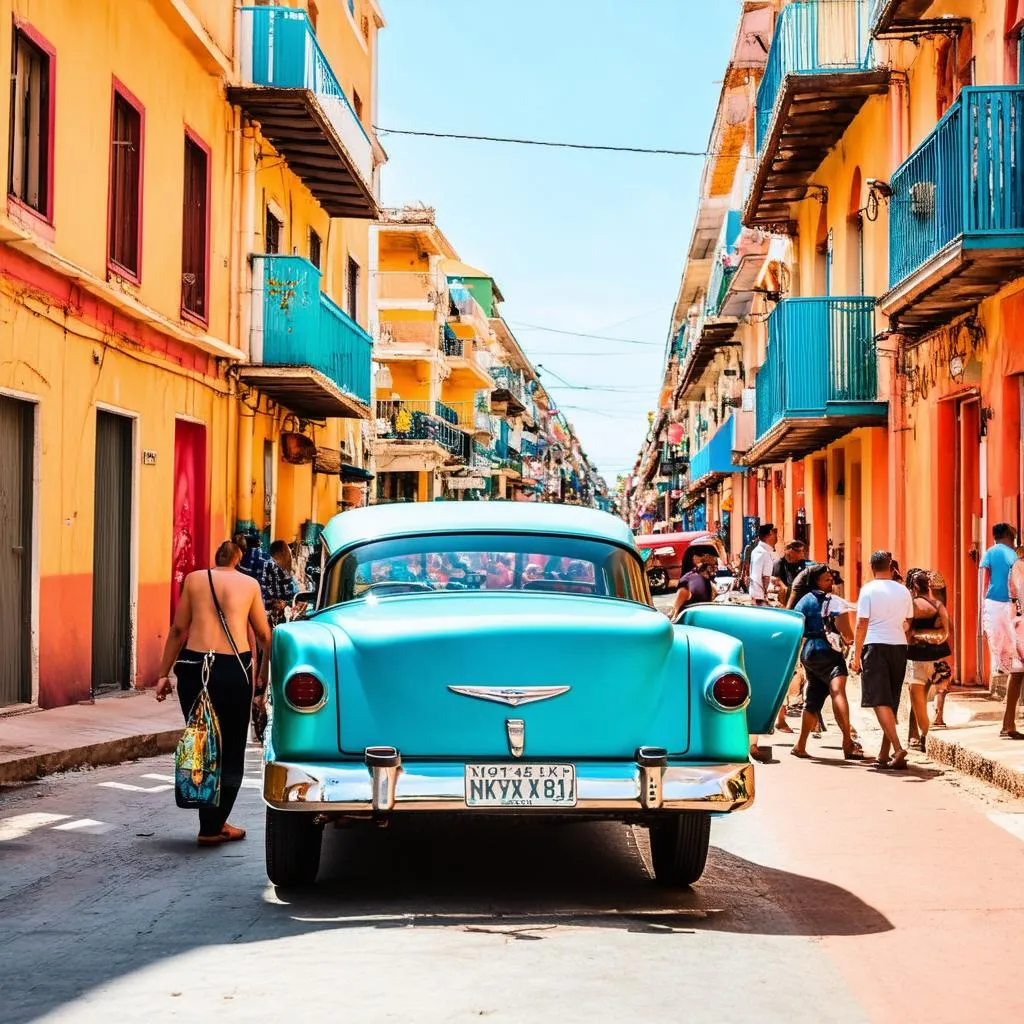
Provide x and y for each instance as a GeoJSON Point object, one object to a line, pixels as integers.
{"type": "Point", "coordinates": [819, 380]}
{"type": "Point", "coordinates": [412, 421]}
{"type": "Point", "coordinates": [897, 17]}
{"type": "Point", "coordinates": [306, 352]}
{"type": "Point", "coordinates": [289, 87]}
{"type": "Point", "coordinates": [508, 384]}
{"type": "Point", "coordinates": [820, 72]}
{"type": "Point", "coordinates": [956, 216]}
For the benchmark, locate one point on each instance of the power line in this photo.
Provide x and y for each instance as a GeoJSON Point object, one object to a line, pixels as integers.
{"type": "Point", "coordinates": [580, 334]}
{"type": "Point", "coordinates": [542, 142]}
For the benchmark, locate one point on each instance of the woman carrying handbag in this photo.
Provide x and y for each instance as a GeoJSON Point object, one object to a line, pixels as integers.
{"type": "Point", "coordinates": [217, 605]}
{"type": "Point", "coordinates": [929, 644]}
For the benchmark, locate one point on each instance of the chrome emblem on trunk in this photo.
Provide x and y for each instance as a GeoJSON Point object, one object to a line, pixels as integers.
{"type": "Point", "coordinates": [516, 729]}
{"type": "Point", "coordinates": [511, 695]}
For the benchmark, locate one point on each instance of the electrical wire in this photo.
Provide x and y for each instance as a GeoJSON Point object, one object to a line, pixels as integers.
{"type": "Point", "coordinates": [580, 334]}
{"type": "Point", "coordinates": [543, 142]}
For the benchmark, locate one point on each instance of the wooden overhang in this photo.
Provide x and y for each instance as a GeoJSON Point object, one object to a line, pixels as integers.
{"type": "Point", "coordinates": [798, 436]}
{"type": "Point", "coordinates": [902, 17]}
{"type": "Point", "coordinates": [297, 126]}
{"type": "Point", "coordinates": [304, 391]}
{"type": "Point", "coordinates": [501, 395]}
{"type": "Point", "coordinates": [714, 334]}
{"type": "Point", "coordinates": [952, 282]}
{"type": "Point", "coordinates": [812, 113]}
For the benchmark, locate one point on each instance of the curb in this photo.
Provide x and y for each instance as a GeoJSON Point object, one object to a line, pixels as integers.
{"type": "Point", "coordinates": [980, 766]}
{"type": "Point", "coordinates": [125, 748]}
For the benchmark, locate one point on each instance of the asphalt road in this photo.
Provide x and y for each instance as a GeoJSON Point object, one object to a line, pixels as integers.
{"type": "Point", "coordinates": [845, 894]}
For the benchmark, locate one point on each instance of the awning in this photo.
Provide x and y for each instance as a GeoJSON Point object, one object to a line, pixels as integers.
{"type": "Point", "coordinates": [355, 474]}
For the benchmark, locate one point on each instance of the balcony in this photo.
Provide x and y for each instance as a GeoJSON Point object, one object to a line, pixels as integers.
{"type": "Point", "coordinates": [508, 388]}
{"type": "Point", "coordinates": [898, 17]}
{"type": "Point", "coordinates": [956, 217]}
{"type": "Point", "coordinates": [288, 86]}
{"type": "Point", "coordinates": [408, 289]}
{"type": "Point", "coordinates": [820, 72]}
{"type": "Point", "coordinates": [715, 459]}
{"type": "Point", "coordinates": [422, 424]}
{"type": "Point", "coordinates": [819, 380]}
{"type": "Point", "coordinates": [306, 353]}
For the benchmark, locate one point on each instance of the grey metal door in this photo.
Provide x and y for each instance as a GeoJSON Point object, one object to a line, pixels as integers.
{"type": "Point", "coordinates": [16, 443]}
{"type": "Point", "coordinates": [112, 554]}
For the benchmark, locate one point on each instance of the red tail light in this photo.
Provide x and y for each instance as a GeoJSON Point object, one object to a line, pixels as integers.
{"type": "Point", "coordinates": [304, 691]}
{"type": "Point", "coordinates": [730, 691]}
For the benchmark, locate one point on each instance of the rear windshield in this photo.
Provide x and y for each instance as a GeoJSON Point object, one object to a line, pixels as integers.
{"type": "Point", "coordinates": [446, 563]}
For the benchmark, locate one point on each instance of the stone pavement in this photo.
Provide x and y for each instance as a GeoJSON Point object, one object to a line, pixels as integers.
{"type": "Point", "coordinates": [111, 730]}
{"type": "Point", "coordinates": [971, 743]}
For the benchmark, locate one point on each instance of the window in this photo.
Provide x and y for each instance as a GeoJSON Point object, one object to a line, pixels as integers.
{"type": "Point", "coordinates": [30, 150]}
{"type": "Point", "coordinates": [195, 230]}
{"type": "Point", "coordinates": [955, 58]}
{"type": "Point", "coordinates": [124, 232]}
{"type": "Point", "coordinates": [272, 233]}
{"type": "Point", "coordinates": [352, 289]}
{"type": "Point", "coordinates": [357, 104]}
{"type": "Point", "coordinates": [463, 562]}
{"type": "Point", "coordinates": [314, 248]}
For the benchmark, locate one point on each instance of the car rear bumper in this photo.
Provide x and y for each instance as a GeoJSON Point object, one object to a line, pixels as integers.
{"type": "Point", "coordinates": [601, 788]}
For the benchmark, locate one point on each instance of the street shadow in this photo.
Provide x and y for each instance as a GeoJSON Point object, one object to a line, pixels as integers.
{"type": "Point", "coordinates": [520, 879]}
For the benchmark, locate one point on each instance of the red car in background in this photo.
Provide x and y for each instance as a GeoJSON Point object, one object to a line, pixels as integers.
{"type": "Point", "coordinates": [669, 556]}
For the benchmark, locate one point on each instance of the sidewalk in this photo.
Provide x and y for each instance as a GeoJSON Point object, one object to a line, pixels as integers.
{"type": "Point", "coordinates": [113, 729]}
{"type": "Point", "coordinates": [972, 745]}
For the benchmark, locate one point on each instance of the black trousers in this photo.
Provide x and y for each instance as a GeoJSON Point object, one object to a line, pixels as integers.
{"type": "Point", "coordinates": [231, 693]}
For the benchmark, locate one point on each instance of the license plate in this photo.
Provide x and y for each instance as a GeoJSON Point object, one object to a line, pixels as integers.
{"type": "Point", "coordinates": [521, 785]}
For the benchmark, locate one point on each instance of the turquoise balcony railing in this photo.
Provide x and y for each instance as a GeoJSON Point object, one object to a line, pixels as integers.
{"type": "Point", "coordinates": [715, 458]}
{"type": "Point", "coordinates": [296, 325]}
{"type": "Point", "coordinates": [819, 37]}
{"type": "Point", "coordinates": [289, 86]}
{"type": "Point", "coordinates": [964, 182]}
{"type": "Point", "coordinates": [414, 421]}
{"type": "Point", "coordinates": [821, 361]}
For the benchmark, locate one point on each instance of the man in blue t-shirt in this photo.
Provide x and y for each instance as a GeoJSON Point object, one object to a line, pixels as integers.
{"type": "Point", "coordinates": [998, 622]}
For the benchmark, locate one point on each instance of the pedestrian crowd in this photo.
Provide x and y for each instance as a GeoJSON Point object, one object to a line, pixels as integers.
{"type": "Point", "coordinates": [898, 634]}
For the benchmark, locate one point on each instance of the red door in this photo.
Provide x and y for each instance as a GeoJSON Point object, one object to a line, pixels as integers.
{"type": "Point", "coordinates": [191, 524]}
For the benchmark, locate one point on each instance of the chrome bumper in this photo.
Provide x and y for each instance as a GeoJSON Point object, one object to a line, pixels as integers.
{"type": "Point", "coordinates": [600, 787]}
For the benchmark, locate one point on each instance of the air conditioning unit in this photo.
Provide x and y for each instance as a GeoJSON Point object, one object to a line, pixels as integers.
{"type": "Point", "coordinates": [922, 199]}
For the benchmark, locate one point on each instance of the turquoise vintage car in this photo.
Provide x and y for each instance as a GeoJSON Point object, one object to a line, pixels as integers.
{"type": "Point", "coordinates": [500, 658]}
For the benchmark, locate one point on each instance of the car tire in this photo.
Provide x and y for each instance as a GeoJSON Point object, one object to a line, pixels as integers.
{"type": "Point", "coordinates": [658, 579]}
{"type": "Point", "coordinates": [679, 847]}
{"type": "Point", "coordinates": [293, 848]}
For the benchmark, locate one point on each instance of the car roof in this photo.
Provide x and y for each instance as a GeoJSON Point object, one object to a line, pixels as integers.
{"type": "Point", "coordinates": [653, 539]}
{"type": "Point", "coordinates": [403, 519]}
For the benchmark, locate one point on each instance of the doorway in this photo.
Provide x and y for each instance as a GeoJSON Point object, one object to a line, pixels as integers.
{"type": "Point", "coordinates": [17, 428]}
{"type": "Point", "coordinates": [191, 522]}
{"type": "Point", "coordinates": [968, 544]}
{"type": "Point", "coordinates": [112, 555]}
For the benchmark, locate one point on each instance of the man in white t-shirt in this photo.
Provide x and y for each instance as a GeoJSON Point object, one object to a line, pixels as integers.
{"type": "Point", "coordinates": [885, 610]}
{"type": "Point", "coordinates": [762, 563]}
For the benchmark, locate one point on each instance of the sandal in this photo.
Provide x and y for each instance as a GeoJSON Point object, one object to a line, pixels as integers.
{"type": "Point", "coordinates": [899, 761]}
{"type": "Point", "coordinates": [228, 834]}
{"type": "Point", "coordinates": [880, 764]}
{"type": "Point", "coordinates": [1011, 734]}
{"type": "Point", "coordinates": [854, 755]}
{"type": "Point", "coordinates": [803, 755]}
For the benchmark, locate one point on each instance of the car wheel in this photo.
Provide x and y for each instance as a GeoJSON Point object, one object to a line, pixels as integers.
{"type": "Point", "coordinates": [658, 579]}
{"type": "Point", "coordinates": [293, 847]}
{"type": "Point", "coordinates": [679, 847]}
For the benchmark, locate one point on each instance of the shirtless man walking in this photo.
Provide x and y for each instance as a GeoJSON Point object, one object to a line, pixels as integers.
{"type": "Point", "coordinates": [229, 681]}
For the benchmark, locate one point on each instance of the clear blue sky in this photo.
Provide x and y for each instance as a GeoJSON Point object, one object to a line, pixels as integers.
{"type": "Point", "coordinates": [580, 241]}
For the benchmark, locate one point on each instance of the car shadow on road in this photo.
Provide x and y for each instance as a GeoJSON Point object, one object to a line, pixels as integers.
{"type": "Point", "coordinates": [483, 874]}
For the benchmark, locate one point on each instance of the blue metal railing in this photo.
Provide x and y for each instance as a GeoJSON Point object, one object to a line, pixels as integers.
{"type": "Point", "coordinates": [509, 379]}
{"type": "Point", "coordinates": [281, 50]}
{"type": "Point", "coordinates": [812, 37]}
{"type": "Point", "coordinates": [407, 421]}
{"type": "Point", "coordinates": [716, 455]}
{"type": "Point", "coordinates": [966, 177]}
{"type": "Point", "coordinates": [451, 344]}
{"type": "Point", "coordinates": [820, 350]}
{"type": "Point", "coordinates": [303, 327]}
{"type": "Point", "coordinates": [877, 6]}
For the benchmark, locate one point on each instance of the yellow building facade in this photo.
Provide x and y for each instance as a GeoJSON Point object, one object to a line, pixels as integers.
{"type": "Point", "coordinates": [184, 301]}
